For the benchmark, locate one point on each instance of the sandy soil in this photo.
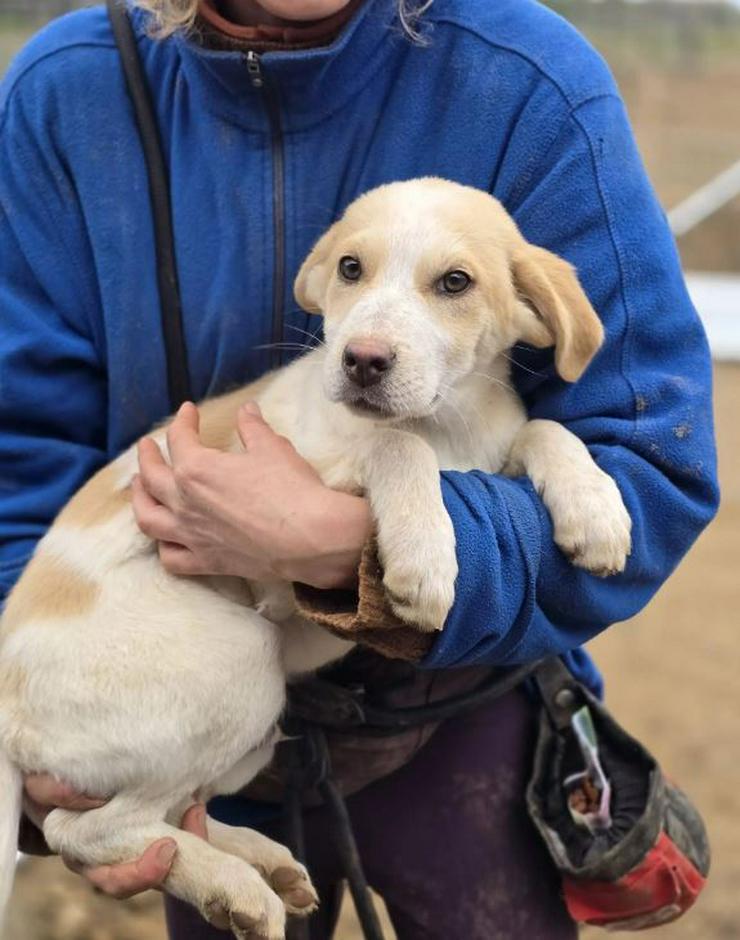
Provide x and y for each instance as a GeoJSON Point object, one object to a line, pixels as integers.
{"type": "Point", "coordinates": [672, 676]}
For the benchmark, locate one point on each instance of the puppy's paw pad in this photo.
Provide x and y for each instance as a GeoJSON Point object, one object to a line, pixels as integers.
{"type": "Point", "coordinates": [294, 888]}
{"type": "Point", "coordinates": [246, 927]}
{"type": "Point", "coordinates": [216, 914]}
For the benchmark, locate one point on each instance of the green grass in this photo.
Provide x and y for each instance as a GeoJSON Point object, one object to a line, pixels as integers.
{"type": "Point", "coordinates": [657, 34]}
{"type": "Point", "coordinates": [13, 34]}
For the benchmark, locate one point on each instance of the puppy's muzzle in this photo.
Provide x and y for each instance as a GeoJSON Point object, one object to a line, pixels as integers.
{"type": "Point", "coordinates": [366, 362]}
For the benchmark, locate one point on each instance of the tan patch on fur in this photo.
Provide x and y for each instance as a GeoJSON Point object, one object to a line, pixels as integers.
{"type": "Point", "coordinates": [103, 497]}
{"type": "Point", "coordinates": [47, 590]}
{"type": "Point", "coordinates": [218, 415]}
{"type": "Point", "coordinates": [552, 287]}
{"type": "Point", "coordinates": [480, 237]}
{"type": "Point", "coordinates": [97, 501]}
{"type": "Point", "coordinates": [317, 287]}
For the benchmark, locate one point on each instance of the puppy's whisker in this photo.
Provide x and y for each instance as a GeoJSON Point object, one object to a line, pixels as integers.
{"type": "Point", "coordinates": [492, 378]}
{"type": "Point", "coordinates": [523, 367]}
{"type": "Point", "coordinates": [447, 400]}
{"type": "Point", "coordinates": [286, 346]}
{"type": "Point", "coordinates": [314, 336]}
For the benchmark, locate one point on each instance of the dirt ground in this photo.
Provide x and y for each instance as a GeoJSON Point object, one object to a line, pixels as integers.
{"type": "Point", "coordinates": [672, 678]}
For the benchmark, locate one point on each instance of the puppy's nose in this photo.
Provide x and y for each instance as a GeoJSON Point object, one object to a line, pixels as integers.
{"type": "Point", "coordinates": [365, 363]}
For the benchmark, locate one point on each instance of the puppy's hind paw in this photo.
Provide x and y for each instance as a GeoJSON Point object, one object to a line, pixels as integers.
{"type": "Point", "coordinates": [246, 927]}
{"type": "Point", "coordinates": [293, 886]}
{"type": "Point", "coordinates": [240, 900]}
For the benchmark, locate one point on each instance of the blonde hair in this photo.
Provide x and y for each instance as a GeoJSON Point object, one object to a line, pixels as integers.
{"type": "Point", "coordinates": [172, 15]}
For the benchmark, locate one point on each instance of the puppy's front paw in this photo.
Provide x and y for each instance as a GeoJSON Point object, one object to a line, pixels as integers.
{"type": "Point", "coordinates": [240, 900]}
{"type": "Point", "coordinates": [420, 579]}
{"type": "Point", "coordinates": [591, 524]}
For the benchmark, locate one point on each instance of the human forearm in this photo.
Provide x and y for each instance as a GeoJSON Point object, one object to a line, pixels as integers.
{"type": "Point", "coordinates": [342, 525]}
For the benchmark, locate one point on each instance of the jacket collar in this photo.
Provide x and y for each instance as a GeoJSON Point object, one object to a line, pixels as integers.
{"type": "Point", "coordinates": [221, 33]}
{"type": "Point", "coordinates": [308, 84]}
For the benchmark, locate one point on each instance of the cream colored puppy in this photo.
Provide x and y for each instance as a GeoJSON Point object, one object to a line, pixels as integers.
{"type": "Point", "coordinates": [122, 679]}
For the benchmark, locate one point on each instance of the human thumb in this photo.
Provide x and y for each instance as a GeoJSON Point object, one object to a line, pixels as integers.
{"type": "Point", "coordinates": [250, 424]}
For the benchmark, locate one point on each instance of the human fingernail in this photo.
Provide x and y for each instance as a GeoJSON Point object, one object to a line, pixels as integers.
{"type": "Point", "coordinates": [251, 408]}
{"type": "Point", "coordinates": [166, 853]}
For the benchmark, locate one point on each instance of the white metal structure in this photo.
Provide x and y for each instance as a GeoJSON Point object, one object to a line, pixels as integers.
{"type": "Point", "coordinates": [705, 201]}
{"type": "Point", "coordinates": [715, 296]}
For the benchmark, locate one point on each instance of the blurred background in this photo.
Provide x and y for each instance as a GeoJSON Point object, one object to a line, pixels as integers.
{"type": "Point", "coordinates": [672, 672]}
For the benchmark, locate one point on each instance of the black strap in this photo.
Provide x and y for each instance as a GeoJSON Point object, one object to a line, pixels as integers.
{"type": "Point", "coordinates": [178, 383]}
{"type": "Point", "coordinates": [328, 705]}
{"type": "Point", "coordinates": [562, 695]}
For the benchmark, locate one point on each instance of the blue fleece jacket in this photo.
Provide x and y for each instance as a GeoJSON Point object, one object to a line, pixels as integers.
{"type": "Point", "coordinates": [504, 96]}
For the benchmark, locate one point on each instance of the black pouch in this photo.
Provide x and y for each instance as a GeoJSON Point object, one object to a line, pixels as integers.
{"type": "Point", "coordinates": [644, 868]}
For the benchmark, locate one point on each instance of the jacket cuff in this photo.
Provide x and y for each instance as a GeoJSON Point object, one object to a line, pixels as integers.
{"type": "Point", "coordinates": [365, 616]}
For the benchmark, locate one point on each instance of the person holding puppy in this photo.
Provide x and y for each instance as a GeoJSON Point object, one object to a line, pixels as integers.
{"type": "Point", "coordinates": [274, 115]}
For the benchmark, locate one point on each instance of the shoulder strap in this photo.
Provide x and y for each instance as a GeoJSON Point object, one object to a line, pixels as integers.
{"type": "Point", "coordinates": [562, 695]}
{"type": "Point", "coordinates": [178, 383]}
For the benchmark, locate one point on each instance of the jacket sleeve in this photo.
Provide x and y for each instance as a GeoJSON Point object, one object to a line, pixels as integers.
{"type": "Point", "coordinates": [643, 409]}
{"type": "Point", "coordinates": [52, 385]}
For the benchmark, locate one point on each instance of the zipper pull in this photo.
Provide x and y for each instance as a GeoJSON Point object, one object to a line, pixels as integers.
{"type": "Point", "coordinates": [254, 68]}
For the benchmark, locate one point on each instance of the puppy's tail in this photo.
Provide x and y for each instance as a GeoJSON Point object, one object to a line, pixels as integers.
{"type": "Point", "coordinates": [10, 815]}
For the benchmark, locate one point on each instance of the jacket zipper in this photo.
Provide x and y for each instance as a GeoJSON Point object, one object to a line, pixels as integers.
{"type": "Point", "coordinates": [272, 105]}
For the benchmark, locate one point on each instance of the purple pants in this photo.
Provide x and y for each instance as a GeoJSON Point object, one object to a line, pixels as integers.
{"type": "Point", "coordinates": [446, 841]}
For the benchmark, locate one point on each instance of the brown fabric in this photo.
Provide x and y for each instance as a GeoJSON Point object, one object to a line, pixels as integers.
{"type": "Point", "coordinates": [365, 616]}
{"type": "Point", "coordinates": [357, 759]}
{"type": "Point", "coordinates": [220, 33]}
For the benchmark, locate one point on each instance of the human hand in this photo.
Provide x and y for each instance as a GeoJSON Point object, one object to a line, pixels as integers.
{"type": "Point", "coordinates": [43, 793]}
{"type": "Point", "coordinates": [263, 514]}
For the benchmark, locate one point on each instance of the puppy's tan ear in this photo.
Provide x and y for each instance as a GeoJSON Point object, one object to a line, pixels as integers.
{"type": "Point", "coordinates": [313, 277]}
{"type": "Point", "coordinates": [556, 310]}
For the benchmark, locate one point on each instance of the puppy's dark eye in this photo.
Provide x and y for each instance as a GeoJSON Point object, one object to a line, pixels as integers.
{"type": "Point", "coordinates": [454, 282]}
{"type": "Point", "coordinates": [350, 268]}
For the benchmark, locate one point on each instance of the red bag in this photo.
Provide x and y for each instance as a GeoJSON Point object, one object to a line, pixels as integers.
{"type": "Point", "coordinates": [649, 866]}
{"type": "Point", "coordinates": [656, 892]}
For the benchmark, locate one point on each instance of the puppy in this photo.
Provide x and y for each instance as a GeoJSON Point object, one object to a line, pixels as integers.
{"type": "Point", "coordinates": [125, 680]}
